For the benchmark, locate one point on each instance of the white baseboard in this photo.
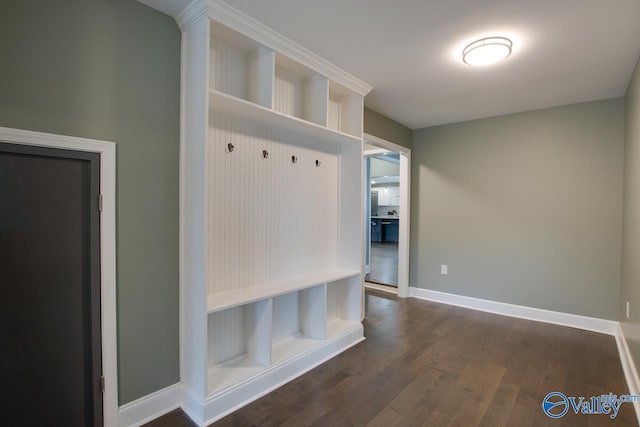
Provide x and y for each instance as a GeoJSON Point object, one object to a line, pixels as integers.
{"type": "Point", "coordinates": [150, 407]}
{"type": "Point", "coordinates": [382, 288]}
{"type": "Point", "coordinates": [593, 324]}
{"type": "Point", "coordinates": [629, 368]}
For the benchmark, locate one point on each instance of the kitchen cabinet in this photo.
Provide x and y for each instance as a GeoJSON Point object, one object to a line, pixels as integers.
{"type": "Point", "coordinates": [376, 230]}
{"type": "Point", "coordinates": [385, 229]}
{"type": "Point", "coordinates": [389, 228]}
{"type": "Point", "coordinates": [389, 196]}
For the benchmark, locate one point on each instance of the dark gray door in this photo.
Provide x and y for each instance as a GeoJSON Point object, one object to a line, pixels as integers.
{"type": "Point", "coordinates": [50, 345]}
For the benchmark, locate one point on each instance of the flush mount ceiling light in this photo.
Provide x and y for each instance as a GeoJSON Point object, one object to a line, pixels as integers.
{"type": "Point", "coordinates": [487, 51]}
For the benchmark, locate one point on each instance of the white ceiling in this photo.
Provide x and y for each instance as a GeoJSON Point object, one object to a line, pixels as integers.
{"type": "Point", "coordinates": [565, 51]}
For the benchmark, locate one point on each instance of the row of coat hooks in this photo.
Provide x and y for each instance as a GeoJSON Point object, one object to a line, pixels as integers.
{"type": "Point", "coordinates": [265, 155]}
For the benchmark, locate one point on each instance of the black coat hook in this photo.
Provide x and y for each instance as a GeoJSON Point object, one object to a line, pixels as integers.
{"type": "Point", "coordinates": [318, 163]}
{"type": "Point", "coordinates": [230, 147]}
{"type": "Point", "coordinates": [265, 154]}
{"type": "Point", "coordinates": [294, 159]}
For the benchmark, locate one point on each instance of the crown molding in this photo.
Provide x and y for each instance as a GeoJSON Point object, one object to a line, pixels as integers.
{"type": "Point", "coordinates": [191, 15]}
{"type": "Point", "coordinates": [231, 17]}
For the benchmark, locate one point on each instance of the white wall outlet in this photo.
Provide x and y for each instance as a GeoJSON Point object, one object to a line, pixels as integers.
{"type": "Point", "coordinates": [627, 309]}
{"type": "Point", "coordinates": [444, 269]}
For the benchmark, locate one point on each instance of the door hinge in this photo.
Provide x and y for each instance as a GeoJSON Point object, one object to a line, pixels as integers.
{"type": "Point", "coordinates": [99, 202]}
{"type": "Point", "coordinates": [102, 384]}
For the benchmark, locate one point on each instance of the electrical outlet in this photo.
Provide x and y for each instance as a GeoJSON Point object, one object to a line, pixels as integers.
{"type": "Point", "coordinates": [444, 269]}
{"type": "Point", "coordinates": [627, 309]}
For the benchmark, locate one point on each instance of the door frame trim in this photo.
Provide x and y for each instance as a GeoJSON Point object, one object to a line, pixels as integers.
{"type": "Point", "coordinates": [405, 206]}
{"type": "Point", "coordinates": [107, 152]}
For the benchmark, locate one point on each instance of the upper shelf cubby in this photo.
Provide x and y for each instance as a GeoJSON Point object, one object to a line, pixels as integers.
{"type": "Point", "coordinates": [240, 66]}
{"type": "Point", "coordinates": [344, 110]}
{"type": "Point", "coordinates": [300, 92]}
{"type": "Point", "coordinates": [244, 73]}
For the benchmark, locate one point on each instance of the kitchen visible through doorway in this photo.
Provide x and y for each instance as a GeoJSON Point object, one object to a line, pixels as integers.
{"type": "Point", "coordinates": [383, 192]}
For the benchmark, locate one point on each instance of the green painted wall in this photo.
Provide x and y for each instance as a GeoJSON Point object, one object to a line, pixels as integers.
{"type": "Point", "coordinates": [524, 208]}
{"type": "Point", "coordinates": [630, 290]}
{"type": "Point", "coordinates": [110, 69]}
{"type": "Point", "coordinates": [383, 127]}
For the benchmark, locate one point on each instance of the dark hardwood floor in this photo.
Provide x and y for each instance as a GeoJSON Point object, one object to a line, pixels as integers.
{"type": "Point", "coordinates": [430, 364]}
{"type": "Point", "coordinates": [383, 264]}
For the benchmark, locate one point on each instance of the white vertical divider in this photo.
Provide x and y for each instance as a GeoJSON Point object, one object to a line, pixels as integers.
{"type": "Point", "coordinates": [194, 210]}
{"type": "Point", "coordinates": [334, 121]}
{"type": "Point", "coordinates": [313, 313]}
{"type": "Point", "coordinates": [352, 114]}
{"type": "Point", "coordinates": [258, 318]}
{"type": "Point", "coordinates": [343, 299]}
{"type": "Point", "coordinates": [350, 213]}
{"type": "Point", "coordinates": [316, 99]}
{"type": "Point", "coordinates": [351, 294]}
{"type": "Point", "coordinates": [261, 76]}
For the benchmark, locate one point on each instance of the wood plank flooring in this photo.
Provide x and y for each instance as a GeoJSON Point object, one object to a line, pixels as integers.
{"type": "Point", "coordinates": [430, 364]}
{"type": "Point", "coordinates": [383, 264]}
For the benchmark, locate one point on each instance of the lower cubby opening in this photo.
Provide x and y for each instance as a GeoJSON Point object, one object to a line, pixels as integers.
{"type": "Point", "coordinates": [344, 301]}
{"type": "Point", "coordinates": [298, 322]}
{"type": "Point", "coordinates": [239, 344]}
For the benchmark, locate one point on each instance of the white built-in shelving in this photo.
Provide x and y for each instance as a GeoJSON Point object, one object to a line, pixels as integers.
{"type": "Point", "coordinates": [271, 210]}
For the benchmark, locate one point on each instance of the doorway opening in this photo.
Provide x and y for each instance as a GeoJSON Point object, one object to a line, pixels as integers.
{"type": "Point", "coordinates": [384, 180]}
{"type": "Point", "coordinates": [386, 190]}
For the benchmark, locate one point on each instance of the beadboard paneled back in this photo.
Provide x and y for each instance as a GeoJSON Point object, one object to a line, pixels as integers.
{"type": "Point", "coordinates": [286, 317]}
{"type": "Point", "coordinates": [232, 77]}
{"type": "Point", "coordinates": [289, 88]}
{"type": "Point", "coordinates": [227, 335]}
{"type": "Point", "coordinates": [276, 209]}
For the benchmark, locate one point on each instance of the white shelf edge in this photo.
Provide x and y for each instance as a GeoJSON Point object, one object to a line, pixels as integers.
{"type": "Point", "coordinates": [243, 366]}
{"type": "Point", "coordinates": [293, 347]}
{"type": "Point", "coordinates": [225, 103]}
{"type": "Point", "coordinates": [338, 326]}
{"type": "Point", "coordinates": [263, 291]}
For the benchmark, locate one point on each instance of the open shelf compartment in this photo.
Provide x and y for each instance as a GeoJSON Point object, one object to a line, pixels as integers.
{"type": "Point", "coordinates": [298, 322]}
{"type": "Point", "coordinates": [300, 92]}
{"type": "Point", "coordinates": [225, 300]}
{"type": "Point", "coordinates": [222, 102]}
{"type": "Point", "coordinates": [240, 66]}
{"type": "Point", "coordinates": [239, 344]}
{"type": "Point", "coordinates": [344, 301]}
{"type": "Point", "coordinates": [345, 110]}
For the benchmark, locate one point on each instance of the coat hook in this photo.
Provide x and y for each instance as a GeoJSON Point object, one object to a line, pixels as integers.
{"type": "Point", "coordinates": [265, 154]}
{"type": "Point", "coordinates": [230, 147]}
{"type": "Point", "coordinates": [318, 163]}
{"type": "Point", "coordinates": [294, 159]}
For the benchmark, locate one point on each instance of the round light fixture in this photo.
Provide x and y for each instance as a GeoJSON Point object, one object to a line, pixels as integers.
{"type": "Point", "coordinates": [487, 51]}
